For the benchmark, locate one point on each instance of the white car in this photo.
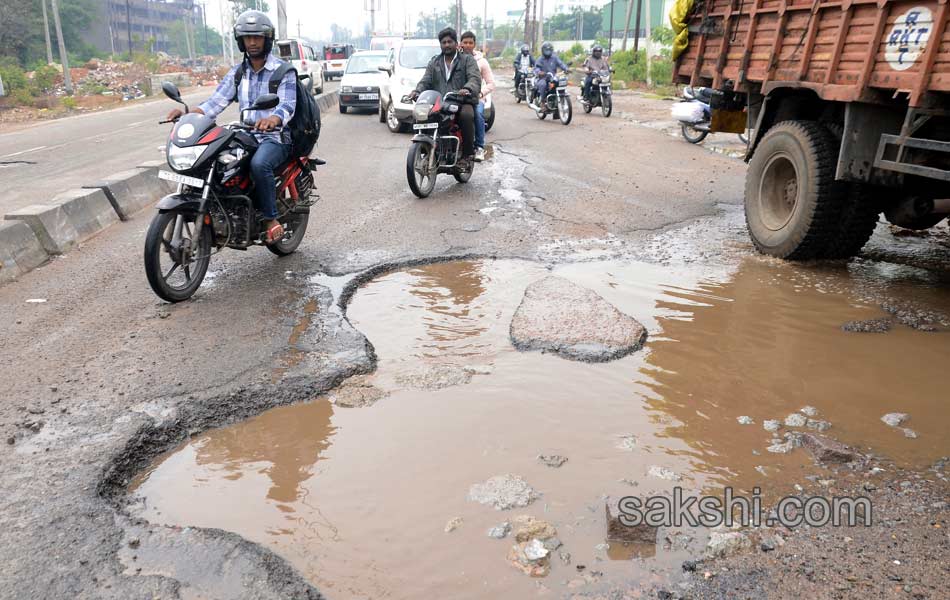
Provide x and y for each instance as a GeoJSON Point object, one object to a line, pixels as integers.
{"type": "Point", "coordinates": [304, 58]}
{"type": "Point", "coordinates": [359, 87]}
{"type": "Point", "coordinates": [405, 67]}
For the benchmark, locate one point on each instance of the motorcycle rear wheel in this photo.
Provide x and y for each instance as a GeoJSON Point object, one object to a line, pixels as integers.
{"type": "Point", "coordinates": [421, 181]}
{"type": "Point", "coordinates": [691, 135]}
{"type": "Point", "coordinates": [588, 106]}
{"type": "Point", "coordinates": [288, 244]}
{"type": "Point", "coordinates": [190, 258]}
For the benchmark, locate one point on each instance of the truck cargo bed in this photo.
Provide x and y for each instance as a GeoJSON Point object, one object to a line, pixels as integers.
{"type": "Point", "coordinates": [850, 50]}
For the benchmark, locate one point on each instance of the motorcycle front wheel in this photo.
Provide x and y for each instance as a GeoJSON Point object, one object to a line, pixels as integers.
{"type": "Point", "coordinates": [175, 269]}
{"type": "Point", "coordinates": [565, 111]}
{"type": "Point", "coordinates": [421, 181]}
{"type": "Point", "coordinates": [606, 105]}
{"type": "Point", "coordinates": [692, 135]}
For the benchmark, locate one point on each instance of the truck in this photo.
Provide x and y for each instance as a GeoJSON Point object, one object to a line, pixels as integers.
{"type": "Point", "coordinates": [848, 103]}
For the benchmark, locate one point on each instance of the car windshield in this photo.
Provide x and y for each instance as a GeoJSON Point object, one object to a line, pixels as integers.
{"type": "Point", "coordinates": [417, 57]}
{"type": "Point", "coordinates": [288, 51]}
{"type": "Point", "coordinates": [365, 64]}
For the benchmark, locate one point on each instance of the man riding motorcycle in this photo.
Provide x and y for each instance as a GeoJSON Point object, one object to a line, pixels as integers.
{"type": "Point", "coordinates": [523, 62]}
{"type": "Point", "coordinates": [548, 63]}
{"type": "Point", "coordinates": [594, 64]}
{"type": "Point", "coordinates": [254, 34]}
{"type": "Point", "coordinates": [488, 86]}
{"type": "Point", "coordinates": [455, 71]}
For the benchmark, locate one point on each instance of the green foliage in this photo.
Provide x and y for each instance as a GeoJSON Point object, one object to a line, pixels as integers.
{"type": "Point", "coordinates": [508, 54]}
{"type": "Point", "coordinates": [633, 68]}
{"type": "Point", "coordinates": [576, 49]}
{"type": "Point", "coordinates": [240, 6]}
{"type": "Point", "coordinates": [662, 35]}
{"type": "Point", "coordinates": [70, 103]}
{"type": "Point", "coordinates": [44, 78]}
{"type": "Point", "coordinates": [21, 33]}
{"type": "Point", "coordinates": [149, 61]}
{"type": "Point", "coordinates": [13, 76]}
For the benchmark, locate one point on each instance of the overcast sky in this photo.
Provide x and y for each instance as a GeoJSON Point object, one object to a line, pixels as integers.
{"type": "Point", "coordinates": [315, 16]}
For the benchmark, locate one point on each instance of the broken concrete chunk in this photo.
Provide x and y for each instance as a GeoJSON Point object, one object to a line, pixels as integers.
{"type": "Point", "coordinates": [722, 544]}
{"type": "Point", "coordinates": [818, 425]}
{"type": "Point", "coordinates": [531, 558]}
{"type": "Point", "coordinates": [745, 420]}
{"type": "Point", "coordinates": [810, 411]}
{"type": "Point", "coordinates": [503, 492]}
{"type": "Point", "coordinates": [771, 425]}
{"type": "Point", "coordinates": [663, 473]}
{"type": "Point", "coordinates": [500, 532]}
{"type": "Point", "coordinates": [453, 524]}
{"type": "Point", "coordinates": [795, 420]}
{"type": "Point", "coordinates": [552, 460]}
{"type": "Point", "coordinates": [868, 326]}
{"type": "Point", "coordinates": [895, 419]}
{"type": "Point", "coordinates": [909, 433]}
{"type": "Point", "coordinates": [827, 450]}
{"type": "Point", "coordinates": [527, 528]}
{"type": "Point", "coordinates": [618, 531]}
{"type": "Point", "coordinates": [573, 322]}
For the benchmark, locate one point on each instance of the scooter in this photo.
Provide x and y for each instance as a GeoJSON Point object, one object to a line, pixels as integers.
{"type": "Point", "coordinates": [694, 114]}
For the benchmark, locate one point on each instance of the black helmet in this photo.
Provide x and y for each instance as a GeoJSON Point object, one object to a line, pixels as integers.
{"type": "Point", "coordinates": [254, 22]}
{"type": "Point", "coordinates": [547, 49]}
{"type": "Point", "coordinates": [597, 50]}
{"type": "Point", "coordinates": [525, 49]}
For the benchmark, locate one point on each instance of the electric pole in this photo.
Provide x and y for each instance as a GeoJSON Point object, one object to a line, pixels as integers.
{"type": "Point", "coordinates": [610, 36]}
{"type": "Point", "coordinates": [458, 16]}
{"type": "Point", "coordinates": [281, 19]}
{"type": "Point", "coordinates": [370, 5]}
{"type": "Point", "coordinates": [626, 24]}
{"type": "Point", "coordinates": [649, 46]}
{"type": "Point", "coordinates": [636, 37]}
{"type": "Point", "coordinates": [128, 24]}
{"type": "Point", "coordinates": [541, 24]}
{"type": "Point", "coordinates": [63, 57]}
{"type": "Point", "coordinates": [49, 44]}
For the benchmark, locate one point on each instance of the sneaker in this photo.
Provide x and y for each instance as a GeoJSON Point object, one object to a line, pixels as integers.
{"type": "Point", "coordinates": [479, 154]}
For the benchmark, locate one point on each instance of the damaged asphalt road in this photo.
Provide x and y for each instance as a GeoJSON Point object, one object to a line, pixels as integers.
{"type": "Point", "coordinates": [102, 377]}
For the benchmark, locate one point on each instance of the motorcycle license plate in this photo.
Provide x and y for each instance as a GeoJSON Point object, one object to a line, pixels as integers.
{"type": "Point", "coordinates": [189, 181]}
{"type": "Point", "coordinates": [422, 126]}
{"type": "Point", "coordinates": [369, 96]}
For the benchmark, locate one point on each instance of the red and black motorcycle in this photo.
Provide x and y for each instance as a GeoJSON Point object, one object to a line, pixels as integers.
{"type": "Point", "coordinates": [212, 208]}
{"type": "Point", "coordinates": [437, 145]}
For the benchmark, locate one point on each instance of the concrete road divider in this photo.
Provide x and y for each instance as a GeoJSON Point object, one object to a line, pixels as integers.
{"type": "Point", "coordinates": [71, 217]}
{"type": "Point", "coordinates": [20, 250]}
{"type": "Point", "coordinates": [130, 191]}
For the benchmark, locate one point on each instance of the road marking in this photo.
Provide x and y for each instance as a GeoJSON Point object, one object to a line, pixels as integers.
{"type": "Point", "coordinates": [136, 124]}
{"type": "Point", "coordinates": [23, 152]}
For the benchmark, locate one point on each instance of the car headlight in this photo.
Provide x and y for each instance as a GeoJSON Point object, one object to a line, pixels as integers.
{"type": "Point", "coordinates": [182, 159]}
{"type": "Point", "coordinates": [406, 82]}
{"type": "Point", "coordinates": [346, 89]}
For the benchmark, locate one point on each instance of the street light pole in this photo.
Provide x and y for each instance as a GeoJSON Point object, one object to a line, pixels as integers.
{"type": "Point", "coordinates": [610, 36]}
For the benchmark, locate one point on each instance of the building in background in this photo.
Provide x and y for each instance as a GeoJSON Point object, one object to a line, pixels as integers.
{"type": "Point", "coordinates": [151, 24]}
{"type": "Point", "coordinates": [569, 7]}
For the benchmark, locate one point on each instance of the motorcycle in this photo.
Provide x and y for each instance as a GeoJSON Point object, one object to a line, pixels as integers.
{"type": "Point", "coordinates": [212, 207]}
{"type": "Point", "coordinates": [490, 112]}
{"type": "Point", "coordinates": [525, 89]}
{"type": "Point", "coordinates": [556, 101]}
{"type": "Point", "coordinates": [694, 114]}
{"type": "Point", "coordinates": [601, 94]}
{"type": "Point", "coordinates": [437, 146]}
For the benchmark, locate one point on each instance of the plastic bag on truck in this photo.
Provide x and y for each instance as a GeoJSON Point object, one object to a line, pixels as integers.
{"type": "Point", "coordinates": [678, 16]}
{"type": "Point", "coordinates": [687, 112]}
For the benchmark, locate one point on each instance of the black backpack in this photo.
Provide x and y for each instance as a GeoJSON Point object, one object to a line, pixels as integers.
{"type": "Point", "coordinates": [304, 126]}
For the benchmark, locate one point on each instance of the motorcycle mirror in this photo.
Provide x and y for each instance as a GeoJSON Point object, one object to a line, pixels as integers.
{"type": "Point", "coordinates": [171, 90]}
{"type": "Point", "coordinates": [265, 101]}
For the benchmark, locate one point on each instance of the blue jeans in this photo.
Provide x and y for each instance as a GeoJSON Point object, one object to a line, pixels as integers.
{"type": "Point", "coordinates": [480, 125]}
{"type": "Point", "coordinates": [269, 156]}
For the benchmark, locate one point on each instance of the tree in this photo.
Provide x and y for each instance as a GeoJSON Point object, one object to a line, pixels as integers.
{"type": "Point", "coordinates": [239, 6]}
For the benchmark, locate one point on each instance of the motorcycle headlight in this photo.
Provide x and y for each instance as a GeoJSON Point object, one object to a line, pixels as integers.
{"type": "Point", "coordinates": [421, 111]}
{"type": "Point", "coordinates": [182, 159]}
{"type": "Point", "coordinates": [605, 79]}
{"type": "Point", "coordinates": [346, 89]}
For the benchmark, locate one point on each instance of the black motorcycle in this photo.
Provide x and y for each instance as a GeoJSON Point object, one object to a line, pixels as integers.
{"type": "Point", "coordinates": [212, 207]}
{"type": "Point", "coordinates": [437, 146]}
{"type": "Point", "coordinates": [555, 101]}
{"type": "Point", "coordinates": [524, 91]}
{"type": "Point", "coordinates": [601, 94]}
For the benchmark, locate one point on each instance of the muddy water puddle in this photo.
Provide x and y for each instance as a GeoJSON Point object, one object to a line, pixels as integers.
{"type": "Point", "coordinates": [360, 499]}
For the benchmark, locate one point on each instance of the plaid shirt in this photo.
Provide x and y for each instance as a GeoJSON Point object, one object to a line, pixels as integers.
{"type": "Point", "coordinates": [253, 85]}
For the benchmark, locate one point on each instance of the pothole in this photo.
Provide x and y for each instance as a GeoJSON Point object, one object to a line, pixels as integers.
{"type": "Point", "coordinates": [375, 498]}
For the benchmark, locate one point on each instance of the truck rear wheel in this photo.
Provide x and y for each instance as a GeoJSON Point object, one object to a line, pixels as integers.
{"type": "Point", "coordinates": [859, 217]}
{"type": "Point", "coordinates": [792, 201]}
